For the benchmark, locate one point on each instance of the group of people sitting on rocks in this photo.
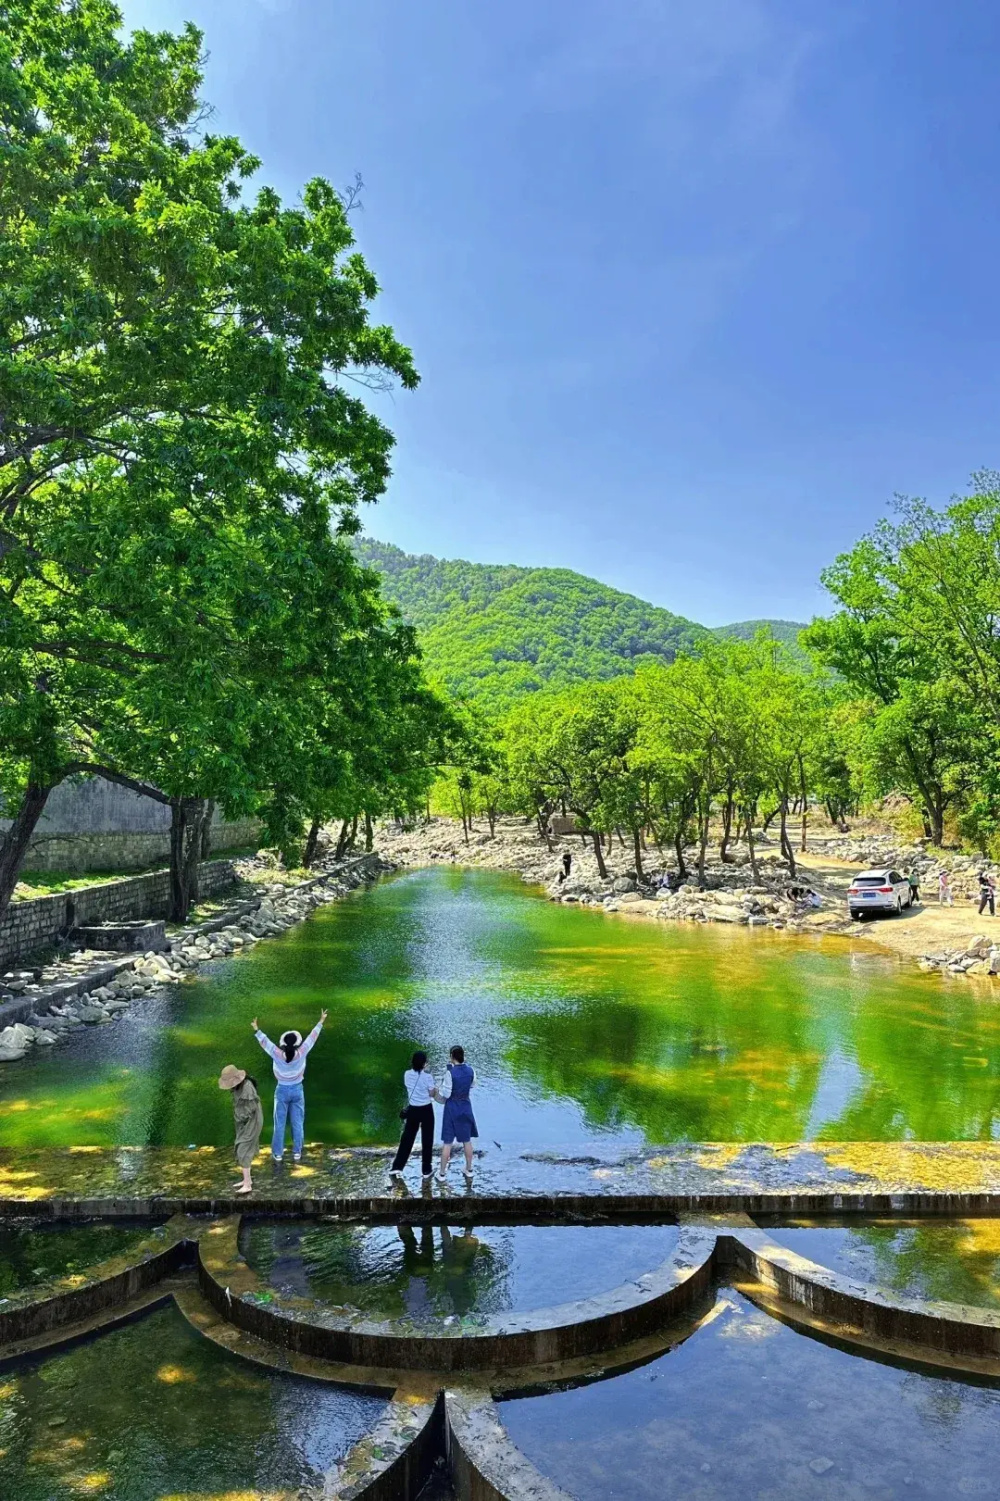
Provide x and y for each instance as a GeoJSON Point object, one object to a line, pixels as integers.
{"type": "Point", "coordinates": [288, 1063]}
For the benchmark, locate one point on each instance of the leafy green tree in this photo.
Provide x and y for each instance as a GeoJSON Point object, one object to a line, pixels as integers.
{"type": "Point", "coordinates": [173, 387]}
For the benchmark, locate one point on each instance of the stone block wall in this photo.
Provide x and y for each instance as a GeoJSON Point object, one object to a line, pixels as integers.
{"type": "Point", "coordinates": [37, 923]}
{"type": "Point", "coordinates": [92, 824]}
{"type": "Point", "coordinates": [132, 849]}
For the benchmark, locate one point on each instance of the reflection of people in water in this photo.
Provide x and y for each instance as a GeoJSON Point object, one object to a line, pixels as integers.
{"type": "Point", "coordinates": [450, 1283]}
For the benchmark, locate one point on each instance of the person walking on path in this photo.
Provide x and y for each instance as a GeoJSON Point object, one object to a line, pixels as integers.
{"type": "Point", "coordinates": [987, 893]}
{"type": "Point", "coordinates": [289, 1068]}
{"type": "Point", "coordinates": [946, 897]}
{"type": "Point", "coordinates": [458, 1122]}
{"type": "Point", "coordinates": [914, 882]}
{"type": "Point", "coordinates": [418, 1115]}
{"type": "Point", "coordinates": [248, 1114]}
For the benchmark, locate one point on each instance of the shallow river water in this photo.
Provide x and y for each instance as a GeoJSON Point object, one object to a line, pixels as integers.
{"type": "Point", "coordinates": [582, 1028]}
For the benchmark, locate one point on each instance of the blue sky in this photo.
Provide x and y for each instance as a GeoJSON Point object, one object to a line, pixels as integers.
{"type": "Point", "coordinates": [694, 286]}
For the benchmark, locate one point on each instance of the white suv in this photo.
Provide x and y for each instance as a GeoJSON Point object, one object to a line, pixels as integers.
{"type": "Point", "coordinates": [879, 891]}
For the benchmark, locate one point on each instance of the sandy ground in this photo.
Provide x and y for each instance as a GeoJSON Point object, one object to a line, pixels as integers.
{"type": "Point", "coordinates": [924, 929]}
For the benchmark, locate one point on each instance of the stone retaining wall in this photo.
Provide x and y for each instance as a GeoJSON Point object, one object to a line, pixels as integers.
{"type": "Point", "coordinates": [34, 924]}
{"type": "Point", "coordinates": [126, 849]}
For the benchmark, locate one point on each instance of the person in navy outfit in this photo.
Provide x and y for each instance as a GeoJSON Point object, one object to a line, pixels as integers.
{"type": "Point", "coordinates": [458, 1122]}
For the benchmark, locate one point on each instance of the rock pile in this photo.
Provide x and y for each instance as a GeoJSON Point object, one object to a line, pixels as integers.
{"type": "Point", "coordinates": [729, 897]}
{"type": "Point", "coordinates": [980, 957]}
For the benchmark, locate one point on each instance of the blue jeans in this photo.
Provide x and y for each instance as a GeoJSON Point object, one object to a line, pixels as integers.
{"type": "Point", "coordinates": [289, 1100]}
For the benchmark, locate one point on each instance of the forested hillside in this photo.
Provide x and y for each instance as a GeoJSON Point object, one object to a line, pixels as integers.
{"type": "Point", "coordinates": [785, 631]}
{"type": "Point", "coordinates": [497, 631]}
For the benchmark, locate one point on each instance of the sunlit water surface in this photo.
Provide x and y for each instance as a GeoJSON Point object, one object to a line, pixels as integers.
{"type": "Point", "coordinates": [957, 1261]}
{"type": "Point", "coordinates": [749, 1408]}
{"type": "Point", "coordinates": [32, 1252]}
{"type": "Point", "coordinates": [582, 1028]}
{"type": "Point", "coordinates": [154, 1410]}
{"type": "Point", "coordinates": [435, 1271]}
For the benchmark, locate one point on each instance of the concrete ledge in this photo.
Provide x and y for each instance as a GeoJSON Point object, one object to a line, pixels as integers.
{"type": "Point", "coordinates": [392, 1462]}
{"type": "Point", "coordinates": [955, 1329]}
{"type": "Point", "coordinates": [106, 1286]}
{"type": "Point", "coordinates": [485, 1464]}
{"type": "Point", "coordinates": [561, 1332]}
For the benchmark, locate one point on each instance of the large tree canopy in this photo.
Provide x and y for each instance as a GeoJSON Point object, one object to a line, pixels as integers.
{"type": "Point", "coordinates": [179, 432]}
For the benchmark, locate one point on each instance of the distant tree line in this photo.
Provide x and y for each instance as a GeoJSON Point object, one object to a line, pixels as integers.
{"type": "Point", "coordinates": [904, 698]}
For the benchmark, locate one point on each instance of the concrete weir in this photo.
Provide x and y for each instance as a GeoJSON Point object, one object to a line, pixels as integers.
{"type": "Point", "coordinates": [441, 1378]}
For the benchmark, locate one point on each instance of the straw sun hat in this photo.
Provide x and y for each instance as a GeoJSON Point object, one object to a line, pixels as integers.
{"type": "Point", "coordinates": [231, 1076]}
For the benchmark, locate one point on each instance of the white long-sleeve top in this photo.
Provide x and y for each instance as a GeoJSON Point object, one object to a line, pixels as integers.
{"type": "Point", "coordinates": [285, 1072]}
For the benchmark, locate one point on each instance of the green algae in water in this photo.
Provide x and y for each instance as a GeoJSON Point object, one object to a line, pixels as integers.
{"type": "Point", "coordinates": [583, 1028]}
{"type": "Point", "coordinates": [33, 1252]}
{"type": "Point", "coordinates": [955, 1261]}
{"type": "Point", "coordinates": [749, 1408]}
{"type": "Point", "coordinates": [426, 1272]}
{"type": "Point", "coordinates": [153, 1410]}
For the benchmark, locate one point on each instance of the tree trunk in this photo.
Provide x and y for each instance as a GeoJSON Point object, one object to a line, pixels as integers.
{"type": "Point", "coordinates": [312, 840]}
{"type": "Point", "coordinates": [727, 829]}
{"type": "Point", "coordinates": [753, 850]}
{"type": "Point", "coordinates": [702, 846]}
{"type": "Point", "coordinates": [342, 841]}
{"type": "Point", "coordinates": [187, 819]}
{"type": "Point", "coordinates": [637, 847]}
{"type": "Point", "coordinates": [937, 824]}
{"type": "Point", "coordinates": [14, 841]}
{"type": "Point", "coordinates": [786, 843]}
{"type": "Point", "coordinates": [679, 851]}
{"type": "Point", "coordinates": [206, 832]}
{"type": "Point", "coordinates": [369, 833]}
{"type": "Point", "coordinates": [599, 855]}
{"type": "Point", "coordinates": [491, 814]}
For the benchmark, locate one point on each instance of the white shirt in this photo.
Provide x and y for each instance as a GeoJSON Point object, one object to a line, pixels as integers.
{"type": "Point", "coordinates": [446, 1083]}
{"type": "Point", "coordinates": [418, 1086]}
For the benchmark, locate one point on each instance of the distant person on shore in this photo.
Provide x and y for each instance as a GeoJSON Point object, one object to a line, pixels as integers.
{"type": "Point", "coordinates": [987, 893]}
{"type": "Point", "coordinates": [914, 881]}
{"type": "Point", "coordinates": [248, 1114]}
{"type": "Point", "coordinates": [289, 1067]}
{"type": "Point", "coordinates": [417, 1115]}
{"type": "Point", "coordinates": [567, 866]}
{"type": "Point", "coordinates": [458, 1122]}
{"type": "Point", "coordinates": [946, 897]}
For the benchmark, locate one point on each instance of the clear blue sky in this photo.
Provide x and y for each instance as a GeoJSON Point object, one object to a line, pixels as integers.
{"type": "Point", "coordinates": [694, 285]}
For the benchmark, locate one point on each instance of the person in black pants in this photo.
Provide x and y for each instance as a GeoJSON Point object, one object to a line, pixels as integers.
{"type": "Point", "coordinates": [987, 893]}
{"type": "Point", "coordinates": [418, 1082]}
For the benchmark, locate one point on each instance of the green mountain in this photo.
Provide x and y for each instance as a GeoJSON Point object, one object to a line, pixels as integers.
{"type": "Point", "coordinates": [498, 631]}
{"type": "Point", "coordinates": [785, 631]}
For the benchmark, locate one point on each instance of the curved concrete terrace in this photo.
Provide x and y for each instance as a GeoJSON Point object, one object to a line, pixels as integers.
{"type": "Point", "coordinates": [562, 1332]}
{"type": "Point", "coordinates": [561, 1345]}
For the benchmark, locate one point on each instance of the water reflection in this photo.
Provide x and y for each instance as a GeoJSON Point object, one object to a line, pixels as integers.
{"type": "Point", "coordinates": [748, 1407]}
{"type": "Point", "coordinates": [441, 1271]}
{"type": "Point", "coordinates": [31, 1251]}
{"type": "Point", "coordinates": [154, 1410]}
{"type": "Point", "coordinates": [581, 1028]}
{"type": "Point", "coordinates": [954, 1260]}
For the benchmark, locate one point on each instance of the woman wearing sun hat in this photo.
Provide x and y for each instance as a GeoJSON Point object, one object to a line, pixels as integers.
{"type": "Point", "coordinates": [249, 1118]}
{"type": "Point", "coordinates": [289, 1065]}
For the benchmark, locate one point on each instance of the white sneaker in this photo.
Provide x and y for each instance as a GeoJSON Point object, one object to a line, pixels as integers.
{"type": "Point", "coordinates": [395, 1175]}
{"type": "Point", "coordinates": [441, 1177]}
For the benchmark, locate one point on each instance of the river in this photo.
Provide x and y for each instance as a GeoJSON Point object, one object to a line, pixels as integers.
{"type": "Point", "coordinates": [583, 1029]}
